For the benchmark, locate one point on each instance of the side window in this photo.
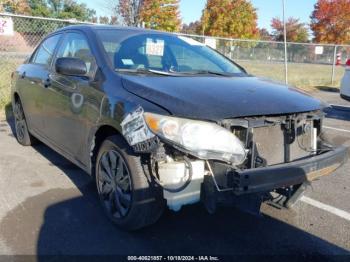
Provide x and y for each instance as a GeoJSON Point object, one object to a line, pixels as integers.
{"type": "Point", "coordinates": [44, 53]}
{"type": "Point", "coordinates": [75, 45]}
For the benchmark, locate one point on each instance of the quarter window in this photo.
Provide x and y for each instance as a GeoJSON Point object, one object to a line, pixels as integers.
{"type": "Point", "coordinates": [44, 53]}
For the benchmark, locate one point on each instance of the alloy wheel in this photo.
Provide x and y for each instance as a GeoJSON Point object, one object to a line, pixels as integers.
{"type": "Point", "coordinates": [114, 184]}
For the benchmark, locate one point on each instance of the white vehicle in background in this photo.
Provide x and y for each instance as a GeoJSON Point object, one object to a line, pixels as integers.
{"type": "Point", "coordinates": [345, 83]}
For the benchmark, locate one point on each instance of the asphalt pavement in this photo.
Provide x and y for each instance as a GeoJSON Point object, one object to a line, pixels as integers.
{"type": "Point", "coordinates": [48, 206]}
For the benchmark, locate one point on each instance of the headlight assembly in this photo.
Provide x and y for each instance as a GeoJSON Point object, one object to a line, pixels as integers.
{"type": "Point", "coordinates": [202, 139]}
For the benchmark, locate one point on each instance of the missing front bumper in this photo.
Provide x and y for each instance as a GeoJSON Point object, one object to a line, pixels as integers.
{"type": "Point", "coordinates": [266, 179]}
{"type": "Point", "coordinates": [280, 186]}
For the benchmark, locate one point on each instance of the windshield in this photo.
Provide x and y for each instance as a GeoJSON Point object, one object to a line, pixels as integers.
{"type": "Point", "coordinates": [132, 51]}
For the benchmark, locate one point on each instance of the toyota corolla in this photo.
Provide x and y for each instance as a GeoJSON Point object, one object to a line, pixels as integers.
{"type": "Point", "coordinates": [160, 120]}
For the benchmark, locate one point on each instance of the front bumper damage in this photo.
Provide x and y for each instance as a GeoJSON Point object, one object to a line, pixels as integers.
{"type": "Point", "coordinates": [280, 185]}
{"type": "Point", "coordinates": [285, 153]}
{"type": "Point", "coordinates": [268, 178]}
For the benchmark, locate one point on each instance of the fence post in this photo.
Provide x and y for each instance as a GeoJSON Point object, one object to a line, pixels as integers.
{"type": "Point", "coordinates": [285, 43]}
{"type": "Point", "coordinates": [334, 61]}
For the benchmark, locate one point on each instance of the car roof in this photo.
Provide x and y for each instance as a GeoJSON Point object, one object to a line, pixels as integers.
{"type": "Point", "coordinates": [89, 28]}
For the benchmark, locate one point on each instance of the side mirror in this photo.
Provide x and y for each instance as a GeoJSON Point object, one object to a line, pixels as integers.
{"type": "Point", "coordinates": [70, 66]}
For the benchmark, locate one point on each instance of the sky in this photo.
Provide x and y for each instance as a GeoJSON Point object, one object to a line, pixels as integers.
{"type": "Point", "coordinates": [191, 10]}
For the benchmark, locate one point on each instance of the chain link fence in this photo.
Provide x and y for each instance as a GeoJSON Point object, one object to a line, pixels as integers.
{"type": "Point", "coordinates": [308, 64]}
{"type": "Point", "coordinates": [17, 44]}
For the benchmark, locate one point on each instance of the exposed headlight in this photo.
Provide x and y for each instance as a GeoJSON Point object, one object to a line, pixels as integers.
{"type": "Point", "coordinates": [202, 139]}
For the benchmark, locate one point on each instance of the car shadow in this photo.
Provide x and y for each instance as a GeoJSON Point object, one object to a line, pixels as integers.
{"type": "Point", "coordinates": [70, 221]}
{"type": "Point", "coordinates": [338, 112]}
{"type": "Point", "coordinates": [328, 89]}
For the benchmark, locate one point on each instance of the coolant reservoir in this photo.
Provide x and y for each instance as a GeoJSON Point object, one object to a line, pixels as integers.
{"type": "Point", "coordinates": [173, 175]}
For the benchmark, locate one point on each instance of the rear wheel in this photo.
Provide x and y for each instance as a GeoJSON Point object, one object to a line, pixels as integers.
{"type": "Point", "coordinates": [127, 196]}
{"type": "Point", "coordinates": [21, 127]}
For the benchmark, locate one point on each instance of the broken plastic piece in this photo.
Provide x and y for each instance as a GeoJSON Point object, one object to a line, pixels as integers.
{"type": "Point", "coordinates": [135, 129]}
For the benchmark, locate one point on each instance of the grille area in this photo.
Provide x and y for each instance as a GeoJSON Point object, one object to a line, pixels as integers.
{"type": "Point", "coordinates": [269, 143]}
{"type": "Point", "coordinates": [276, 144]}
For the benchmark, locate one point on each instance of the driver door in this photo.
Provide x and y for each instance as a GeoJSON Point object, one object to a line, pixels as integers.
{"type": "Point", "coordinates": [68, 102]}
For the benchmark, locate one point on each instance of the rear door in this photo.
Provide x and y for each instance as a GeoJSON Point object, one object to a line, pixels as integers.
{"type": "Point", "coordinates": [33, 81]}
{"type": "Point", "coordinates": [71, 100]}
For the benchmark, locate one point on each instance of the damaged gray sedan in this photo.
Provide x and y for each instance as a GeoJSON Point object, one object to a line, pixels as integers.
{"type": "Point", "coordinates": [160, 120]}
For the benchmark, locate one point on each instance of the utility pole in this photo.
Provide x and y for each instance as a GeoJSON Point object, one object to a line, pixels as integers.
{"type": "Point", "coordinates": [285, 42]}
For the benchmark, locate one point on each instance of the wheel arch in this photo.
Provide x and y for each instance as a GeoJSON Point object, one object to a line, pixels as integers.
{"type": "Point", "coordinates": [101, 133]}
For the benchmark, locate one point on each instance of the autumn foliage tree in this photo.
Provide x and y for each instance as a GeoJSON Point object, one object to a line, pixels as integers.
{"type": "Point", "coordinates": [330, 21]}
{"type": "Point", "coordinates": [155, 14]}
{"type": "Point", "coordinates": [14, 6]}
{"type": "Point", "coordinates": [161, 14]}
{"type": "Point", "coordinates": [130, 10]}
{"type": "Point", "coordinates": [230, 18]}
{"type": "Point", "coordinates": [296, 31]}
{"type": "Point", "coordinates": [265, 35]}
{"type": "Point", "coordinates": [105, 20]}
{"type": "Point", "coordinates": [191, 28]}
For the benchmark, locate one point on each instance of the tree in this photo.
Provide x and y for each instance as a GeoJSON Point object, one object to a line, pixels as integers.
{"type": "Point", "coordinates": [14, 6]}
{"type": "Point", "coordinates": [230, 18]}
{"type": "Point", "coordinates": [296, 31]}
{"type": "Point", "coordinates": [106, 20]}
{"type": "Point", "coordinates": [129, 10]}
{"type": "Point", "coordinates": [39, 8]}
{"type": "Point", "coordinates": [330, 21]}
{"type": "Point", "coordinates": [64, 9]}
{"type": "Point", "coordinates": [68, 9]}
{"type": "Point", "coordinates": [113, 20]}
{"type": "Point", "coordinates": [265, 35]}
{"type": "Point", "coordinates": [155, 14]}
{"type": "Point", "coordinates": [191, 28]}
{"type": "Point", "coordinates": [34, 29]}
{"type": "Point", "coordinates": [161, 14]}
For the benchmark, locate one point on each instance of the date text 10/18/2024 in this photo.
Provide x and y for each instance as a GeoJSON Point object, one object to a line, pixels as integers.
{"type": "Point", "coordinates": [173, 258]}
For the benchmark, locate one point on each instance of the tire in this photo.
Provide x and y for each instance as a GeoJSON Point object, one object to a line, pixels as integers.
{"type": "Point", "coordinates": [128, 198]}
{"type": "Point", "coordinates": [22, 133]}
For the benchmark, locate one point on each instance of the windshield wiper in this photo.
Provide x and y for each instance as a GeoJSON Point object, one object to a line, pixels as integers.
{"type": "Point", "coordinates": [205, 72]}
{"type": "Point", "coordinates": [172, 73]}
{"type": "Point", "coordinates": [145, 70]}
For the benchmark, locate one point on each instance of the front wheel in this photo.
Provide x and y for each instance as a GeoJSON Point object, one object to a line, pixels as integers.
{"type": "Point", "coordinates": [128, 198]}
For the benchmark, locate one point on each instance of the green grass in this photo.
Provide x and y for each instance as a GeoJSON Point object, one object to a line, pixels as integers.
{"type": "Point", "coordinates": [305, 76]}
{"type": "Point", "coordinates": [7, 66]}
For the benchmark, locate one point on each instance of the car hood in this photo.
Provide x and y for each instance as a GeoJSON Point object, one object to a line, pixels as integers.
{"type": "Point", "coordinates": [217, 98]}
